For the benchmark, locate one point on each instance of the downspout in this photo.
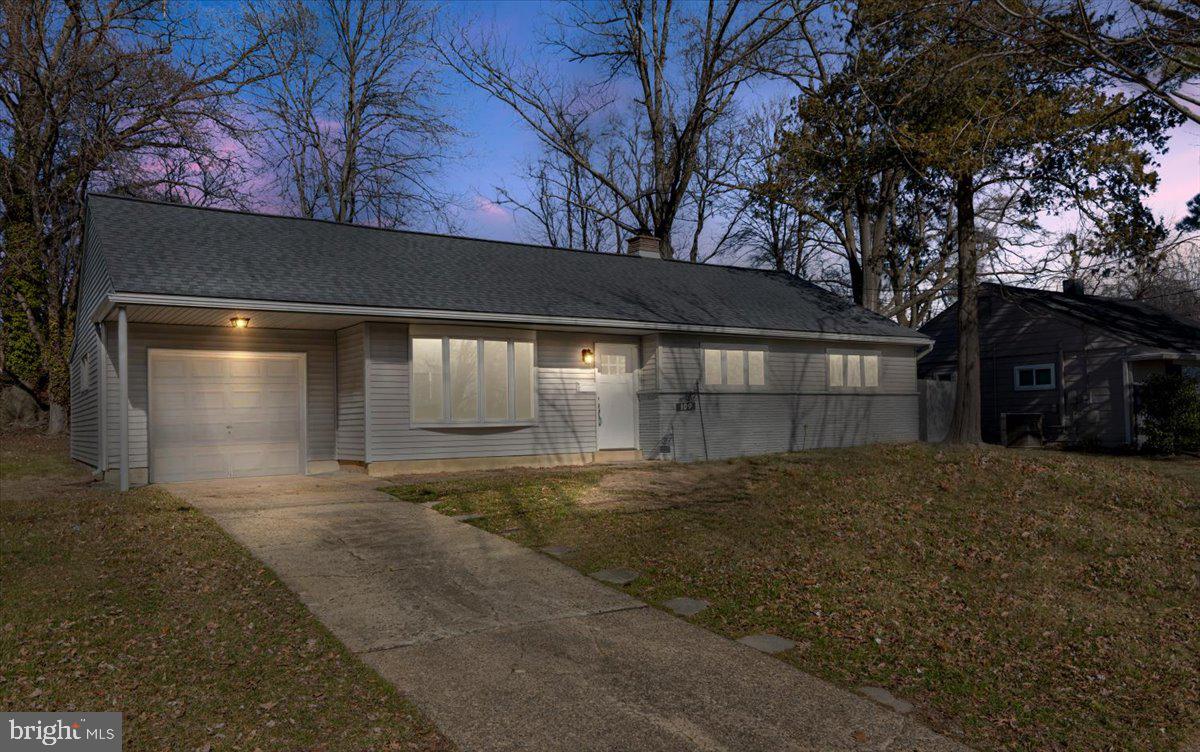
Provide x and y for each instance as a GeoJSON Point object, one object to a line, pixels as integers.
{"type": "Point", "coordinates": [1060, 382]}
{"type": "Point", "coordinates": [123, 380]}
{"type": "Point", "coordinates": [102, 397]}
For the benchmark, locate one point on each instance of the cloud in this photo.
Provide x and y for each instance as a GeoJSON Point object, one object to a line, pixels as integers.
{"type": "Point", "coordinates": [489, 210]}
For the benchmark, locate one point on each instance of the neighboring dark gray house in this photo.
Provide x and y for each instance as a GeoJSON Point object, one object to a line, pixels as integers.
{"type": "Point", "coordinates": [1063, 366]}
{"type": "Point", "coordinates": [215, 343]}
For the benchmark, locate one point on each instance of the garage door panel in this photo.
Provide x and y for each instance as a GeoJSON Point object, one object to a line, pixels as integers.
{"type": "Point", "coordinates": [209, 368]}
{"type": "Point", "coordinates": [244, 397]}
{"type": "Point", "coordinates": [281, 369]}
{"type": "Point", "coordinates": [215, 415]}
{"type": "Point", "coordinates": [197, 463]}
{"type": "Point", "coordinates": [279, 398]}
{"type": "Point", "coordinates": [170, 367]}
{"type": "Point", "coordinates": [262, 459]}
{"type": "Point", "coordinates": [243, 368]}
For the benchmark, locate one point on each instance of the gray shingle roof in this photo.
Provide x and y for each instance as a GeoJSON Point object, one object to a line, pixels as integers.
{"type": "Point", "coordinates": [168, 249]}
{"type": "Point", "coordinates": [1134, 321]}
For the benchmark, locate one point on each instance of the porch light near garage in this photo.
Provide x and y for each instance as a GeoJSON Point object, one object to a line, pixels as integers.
{"type": "Point", "coordinates": [587, 356]}
{"type": "Point", "coordinates": [239, 322]}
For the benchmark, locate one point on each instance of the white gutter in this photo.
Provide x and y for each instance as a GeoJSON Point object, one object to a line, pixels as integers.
{"type": "Point", "coordinates": [116, 299]}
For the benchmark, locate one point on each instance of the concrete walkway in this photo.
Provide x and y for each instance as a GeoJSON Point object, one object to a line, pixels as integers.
{"type": "Point", "coordinates": [507, 649]}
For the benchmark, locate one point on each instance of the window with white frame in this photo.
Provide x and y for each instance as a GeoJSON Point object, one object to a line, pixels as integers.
{"type": "Point", "coordinates": [734, 367]}
{"type": "Point", "coordinates": [850, 369]}
{"type": "Point", "coordinates": [460, 380]}
{"type": "Point", "coordinates": [1034, 377]}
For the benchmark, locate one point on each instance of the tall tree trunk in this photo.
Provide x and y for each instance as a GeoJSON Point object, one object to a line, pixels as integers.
{"type": "Point", "coordinates": [965, 423]}
{"type": "Point", "coordinates": [868, 293]}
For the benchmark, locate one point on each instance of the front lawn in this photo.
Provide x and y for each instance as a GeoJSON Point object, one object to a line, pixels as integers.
{"type": "Point", "coordinates": [138, 603]}
{"type": "Point", "coordinates": [1022, 600]}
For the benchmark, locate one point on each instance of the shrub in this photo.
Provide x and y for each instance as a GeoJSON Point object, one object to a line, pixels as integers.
{"type": "Point", "coordinates": [1170, 413]}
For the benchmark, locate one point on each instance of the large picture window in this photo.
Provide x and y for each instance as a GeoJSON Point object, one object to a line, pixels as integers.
{"type": "Point", "coordinates": [734, 367]}
{"type": "Point", "coordinates": [849, 369]}
{"type": "Point", "coordinates": [472, 381]}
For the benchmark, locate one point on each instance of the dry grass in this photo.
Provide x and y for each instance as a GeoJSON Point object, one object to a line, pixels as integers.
{"type": "Point", "coordinates": [1023, 600]}
{"type": "Point", "coordinates": [137, 603]}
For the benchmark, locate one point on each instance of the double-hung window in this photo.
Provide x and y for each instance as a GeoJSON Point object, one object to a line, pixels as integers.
{"type": "Point", "coordinates": [852, 369]}
{"type": "Point", "coordinates": [734, 367]}
{"type": "Point", "coordinates": [472, 380]}
{"type": "Point", "coordinates": [1032, 378]}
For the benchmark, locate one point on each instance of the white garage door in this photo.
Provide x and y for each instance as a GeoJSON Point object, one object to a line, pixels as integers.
{"type": "Point", "coordinates": [225, 415]}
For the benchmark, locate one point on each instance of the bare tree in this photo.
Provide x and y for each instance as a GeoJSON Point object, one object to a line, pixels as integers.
{"type": "Point", "coordinates": [686, 64]}
{"type": "Point", "coordinates": [562, 205]}
{"type": "Point", "coordinates": [353, 127]}
{"type": "Point", "coordinates": [88, 87]}
{"type": "Point", "coordinates": [772, 223]}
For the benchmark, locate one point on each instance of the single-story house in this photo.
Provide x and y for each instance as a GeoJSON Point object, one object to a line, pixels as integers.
{"type": "Point", "coordinates": [1063, 366]}
{"type": "Point", "coordinates": [214, 343]}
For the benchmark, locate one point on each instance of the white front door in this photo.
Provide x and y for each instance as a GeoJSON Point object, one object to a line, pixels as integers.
{"type": "Point", "coordinates": [616, 396]}
{"type": "Point", "coordinates": [225, 415]}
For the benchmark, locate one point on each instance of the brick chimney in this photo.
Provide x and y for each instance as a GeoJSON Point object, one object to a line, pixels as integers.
{"type": "Point", "coordinates": [646, 246]}
{"type": "Point", "coordinates": [1073, 287]}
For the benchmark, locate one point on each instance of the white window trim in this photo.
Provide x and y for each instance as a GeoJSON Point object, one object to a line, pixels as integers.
{"type": "Point", "coordinates": [854, 389]}
{"type": "Point", "coordinates": [1035, 387]}
{"type": "Point", "coordinates": [725, 347]}
{"type": "Point", "coordinates": [480, 335]}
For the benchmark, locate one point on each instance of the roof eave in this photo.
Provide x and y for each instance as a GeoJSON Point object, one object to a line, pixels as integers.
{"type": "Point", "coordinates": [130, 298]}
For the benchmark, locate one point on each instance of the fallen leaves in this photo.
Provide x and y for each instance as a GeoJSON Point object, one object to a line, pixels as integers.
{"type": "Point", "coordinates": [148, 608]}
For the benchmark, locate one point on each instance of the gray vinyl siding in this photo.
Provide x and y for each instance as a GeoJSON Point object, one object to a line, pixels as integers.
{"type": "Point", "coordinates": [320, 396]}
{"type": "Point", "coordinates": [731, 425]}
{"type": "Point", "coordinates": [649, 434]}
{"type": "Point", "coordinates": [566, 411]}
{"type": "Point", "coordinates": [793, 410]}
{"type": "Point", "coordinates": [86, 404]}
{"type": "Point", "coordinates": [351, 394]}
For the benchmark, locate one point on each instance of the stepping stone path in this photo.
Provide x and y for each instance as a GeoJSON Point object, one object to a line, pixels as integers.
{"type": "Point", "coordinates": [615, 576]}
{"type": "Point", "coordinates": [767, 643]}
{"type": "Point", "coordinates": [884, 697]}
{"type": "Point", "coordinates": [558, 552]}
{"type": "Point", "coordinates": [686, 606]}
{"type": "Point", "coordinates": [467, 517]}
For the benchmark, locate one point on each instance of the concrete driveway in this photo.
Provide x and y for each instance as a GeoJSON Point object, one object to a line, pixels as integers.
{"type": "Point", "coordinates": [507, 649]}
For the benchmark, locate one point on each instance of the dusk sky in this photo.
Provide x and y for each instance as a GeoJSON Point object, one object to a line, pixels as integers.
{"type": "Point", "coordinates": [495, 143]}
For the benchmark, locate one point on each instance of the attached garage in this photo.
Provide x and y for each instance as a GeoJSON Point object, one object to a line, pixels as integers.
{"type": "Point", "coordinates": [225, 414]}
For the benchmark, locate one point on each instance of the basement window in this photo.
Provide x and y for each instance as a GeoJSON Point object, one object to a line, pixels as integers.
{"type": "Point", "coordinates": [852, 369]}
{"type": "Point", "coordinates": [472, 381]}
{"type": "Point", "coordinates": [1033, 378]}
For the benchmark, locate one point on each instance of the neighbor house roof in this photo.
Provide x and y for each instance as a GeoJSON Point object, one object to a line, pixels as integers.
{"type": "Point", "coordinates": [173, 250]}
{"type": "Point", "coordinates": [1134, 321]}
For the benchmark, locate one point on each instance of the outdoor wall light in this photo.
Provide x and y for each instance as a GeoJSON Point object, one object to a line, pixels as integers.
{"type": "Point", "coordinates": [587, 356]}
{"type": "Point", "coordinates": [239, 322]}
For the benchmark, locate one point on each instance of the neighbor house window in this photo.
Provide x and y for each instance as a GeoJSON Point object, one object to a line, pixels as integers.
{"type": "Point", "coordinates": [472, 380]}
{"type": "Point", "coordinates": [1029, 378]}
{"type": "Point", "coordinates": [734, 367]}
{"type": "Point", "coordinates": [849, 369]}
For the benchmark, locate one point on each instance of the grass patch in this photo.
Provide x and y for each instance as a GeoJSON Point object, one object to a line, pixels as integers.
{"type": "Point", "coordinates": [138, 603]}
{"type": "Point", "coordinates": [34, 454]}
{"type": "Point", "coordinates": [1023, 600]}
